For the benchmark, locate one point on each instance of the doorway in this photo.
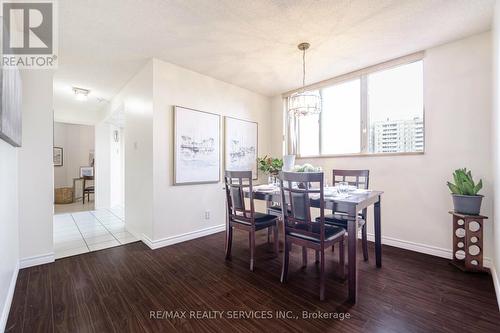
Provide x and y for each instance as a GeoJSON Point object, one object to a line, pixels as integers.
{"type": "Point", "coordinates": [94, 219]}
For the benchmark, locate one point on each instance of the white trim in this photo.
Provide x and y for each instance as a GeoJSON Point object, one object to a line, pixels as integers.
{"type": "Point", "coordinates": [37, 260]}
{"type": "Point", "coordinates": [156, 244]}
{"type": "Point", "coordinates": [422, 248]}
{"type": "Point", "coordinates": [8, 299]}
{"type": "Point", "coordinates": [496, 282]}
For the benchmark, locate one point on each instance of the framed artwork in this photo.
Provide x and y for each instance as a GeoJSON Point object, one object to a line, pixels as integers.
{"type": "Point", "coordinates": [58, 156]}
{"type": "Point", "coordinates": [241, 145]}
{"type": "Point", "coordinates": [86, 171]}
{"type": "Point", "coordinates": [91, 157]}
{"type": "Point", "coordinates": [196, 147]}
{"type": "Point", "coordinates": [10, 107]}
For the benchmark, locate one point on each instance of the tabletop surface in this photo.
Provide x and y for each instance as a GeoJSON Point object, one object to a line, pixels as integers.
{"type": "Point", "coordinates": [353, 197]}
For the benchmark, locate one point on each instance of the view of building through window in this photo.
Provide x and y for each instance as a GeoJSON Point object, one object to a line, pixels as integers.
{"type": "Point", "coordinates": [395, 109]}
{"type": "Point", "coordinates": [390, 120]}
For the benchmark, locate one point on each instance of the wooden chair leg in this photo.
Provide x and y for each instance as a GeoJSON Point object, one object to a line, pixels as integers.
{"type": "Point", "coordinates": [251, 236]}
{"type": "Point", "coordinates": [269, 235]}
{"type": "Point", "coordinates": [304, 256]}
{"type": "Point", "coordinates": [284, 266]}
{"type": "Point", "coordinates": [84, 197]}
{"type": "Point", "coordinates": [364, 242]}
{"type": "Point", "coordinates": [276, 240]}
{"type": "Point", "coordinates": [322, 276]}
{"type": "Point", "coordinates": [342, 257]}
{"type": "Point", "coordinates": [229, 241]}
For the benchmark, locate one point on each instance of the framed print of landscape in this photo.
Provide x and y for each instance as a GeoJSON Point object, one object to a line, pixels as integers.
{"type": "Point", "coordinates": [196, 147]}
{"type": "Point", "coordinates": [241, 145]}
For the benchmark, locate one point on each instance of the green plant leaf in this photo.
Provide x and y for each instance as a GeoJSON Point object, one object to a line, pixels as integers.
{"type": "Point", "coordinates": [478, 187]}
{"type": "Point", "coordinates": [453, 188]}
{"type": "Point", "coordinates": [468, 189]}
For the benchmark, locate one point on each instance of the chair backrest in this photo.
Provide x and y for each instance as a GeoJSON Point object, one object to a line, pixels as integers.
{"type": "Point", "coordinates": [358, 178]}
{"type": "Point", "coordinates": [237, 183]}
{"type": "Point", "coordinates": [86, 179]}
{"type": "Point", "coordinates": [298, 190]}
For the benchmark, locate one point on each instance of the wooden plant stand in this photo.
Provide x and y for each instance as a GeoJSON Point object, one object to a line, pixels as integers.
{"type": "Point", "coordinates": [468, 242]}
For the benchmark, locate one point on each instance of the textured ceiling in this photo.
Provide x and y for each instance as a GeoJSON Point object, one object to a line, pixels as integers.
{"type": "Point", "coordinates": [252, 44]}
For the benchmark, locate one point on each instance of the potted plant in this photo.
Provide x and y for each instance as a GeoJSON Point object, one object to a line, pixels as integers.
{"type": "Point", "coordinates": [464, 191]}
{"type": "Point", "coordinates": [270, 166]}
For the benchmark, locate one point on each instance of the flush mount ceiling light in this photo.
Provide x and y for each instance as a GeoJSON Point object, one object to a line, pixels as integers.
{"type": "Point", "coordinates": [81, 94]}
{"type": "Point", "coordinates": [304, 103]}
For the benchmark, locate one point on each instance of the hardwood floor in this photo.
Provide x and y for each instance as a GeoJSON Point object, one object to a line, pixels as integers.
{"type": "Point", "coordinates": [115, 290]}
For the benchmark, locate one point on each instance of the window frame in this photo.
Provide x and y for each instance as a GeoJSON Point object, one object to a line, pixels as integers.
{"type": "Point", "coordinates": [292, 145]}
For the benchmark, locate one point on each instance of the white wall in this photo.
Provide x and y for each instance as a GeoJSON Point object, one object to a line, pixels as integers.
{"type": "Point", "coordinates": [117, 163]}
{"type": "Point", "coordinates": [77, 141]}
{"type": "Point", "coordinates": [496, 148]}
{"type": "Point", "coordinates": [109, 165]}
{"type": "Point", "coordinates": [35, 172]}
{"type": "Point", "coordinates": [457, 97]}
{"type": "Point", "coordinates": [9, 237]}
{"type": "Point", "coordinates": [102, 165]}
{"type": "Point", "coordinates": [136, 98]}
{"type": "Point", "coordinates": [179, 210]}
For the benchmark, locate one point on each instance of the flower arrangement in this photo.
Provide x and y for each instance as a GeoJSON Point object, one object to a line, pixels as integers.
{"type": "Point", "coordinates": [269, 165]}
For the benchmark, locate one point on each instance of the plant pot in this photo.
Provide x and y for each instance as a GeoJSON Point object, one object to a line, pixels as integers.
{"type": "Point", "coordinates": [467, 204]}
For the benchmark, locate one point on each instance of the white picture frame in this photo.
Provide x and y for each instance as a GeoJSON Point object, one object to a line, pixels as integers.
{"type": "Point", "coordinates": [196, 147]}
{"type": "Point", "coordinates": [58, 156]}
{"type": "Point", "coordinates": [86, 171]}
{"type": "Point", "coordinates": [241, 145]}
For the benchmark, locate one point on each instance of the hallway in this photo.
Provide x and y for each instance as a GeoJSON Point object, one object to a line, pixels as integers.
{"type": "Point", "coordinates": [83, 232]}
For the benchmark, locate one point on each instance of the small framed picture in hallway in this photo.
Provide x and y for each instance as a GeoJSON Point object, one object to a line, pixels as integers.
{"type": "Point", "coordinates": [86, 171]}
{"type": "Point", "coordinates": [58, 156]}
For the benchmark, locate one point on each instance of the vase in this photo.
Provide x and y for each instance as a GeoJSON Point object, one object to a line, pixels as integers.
{"type": "Point", "coordinates": [288, 162]}
{"type": "Point", "coordinates": [272, 179]}
{"type": "Point", "coordinates": [467, 204]}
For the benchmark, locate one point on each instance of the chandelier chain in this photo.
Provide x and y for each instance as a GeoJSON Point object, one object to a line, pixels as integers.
{"type": "Point", "coordinates": [303, 68]}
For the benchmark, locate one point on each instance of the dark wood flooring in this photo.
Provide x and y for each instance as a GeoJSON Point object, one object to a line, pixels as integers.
{"type": "Point", "coordinates": [115, 290]}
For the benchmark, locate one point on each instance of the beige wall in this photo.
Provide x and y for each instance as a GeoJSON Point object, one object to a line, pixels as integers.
{"type": "Point", "coordinates": [496, 148]}
{"type": "Point", "coordinates": [77, 141]}
{"type": "Point", "coordinates": [457, 97]}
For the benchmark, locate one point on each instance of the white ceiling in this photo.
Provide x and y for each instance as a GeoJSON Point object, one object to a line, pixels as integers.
{"type": "Point", "coordinates": [252, 44]}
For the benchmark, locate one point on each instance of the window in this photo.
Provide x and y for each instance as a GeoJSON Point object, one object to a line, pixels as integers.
{"type": "Point", "coordinates": [369, 113]}
{"type": "Point", "coordinates": [395, 110]}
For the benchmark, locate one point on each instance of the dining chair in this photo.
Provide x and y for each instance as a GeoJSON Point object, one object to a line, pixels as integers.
{"type": "Point", "coordinates": [239, 217]}
{"type": "Point", "coordinates": [297, 192]}
{"type": "Point", "coordinates": [360, 179]}
{"type": "Point", "coordinates": [88, 189]}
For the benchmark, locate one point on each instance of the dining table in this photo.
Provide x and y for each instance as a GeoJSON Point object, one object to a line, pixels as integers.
{"type": "Point", "coordinates": [350, 204]}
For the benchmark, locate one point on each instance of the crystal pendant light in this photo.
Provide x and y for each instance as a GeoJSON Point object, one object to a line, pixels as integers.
{"type": "Point", "coordinates": [304, 103]}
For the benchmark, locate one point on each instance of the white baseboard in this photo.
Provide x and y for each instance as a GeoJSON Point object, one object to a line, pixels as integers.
{"type": "Point", "coordinates": [37, 260]}
{"type": "Point", "coordinates": [496, 282]}
{"type": "Point", "coordinates": [422, 248]}
{"type": "Point", "coordinates": [156, 244]}
{"type": "Point", "coordinates": [8, 299]}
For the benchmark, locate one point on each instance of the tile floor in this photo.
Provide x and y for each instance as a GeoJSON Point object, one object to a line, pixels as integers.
{"type": "Point", "coordinates": [82, 232]}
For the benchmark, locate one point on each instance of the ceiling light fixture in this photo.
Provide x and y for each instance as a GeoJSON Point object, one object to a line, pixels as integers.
{"type": "Point", "coordinates": [81, 94]}
{"type": "Point", "coordinates": [304, 103]}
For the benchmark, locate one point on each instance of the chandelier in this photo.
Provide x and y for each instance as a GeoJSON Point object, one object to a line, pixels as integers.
{"type": "Point", "coordinates": [304, 103]}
